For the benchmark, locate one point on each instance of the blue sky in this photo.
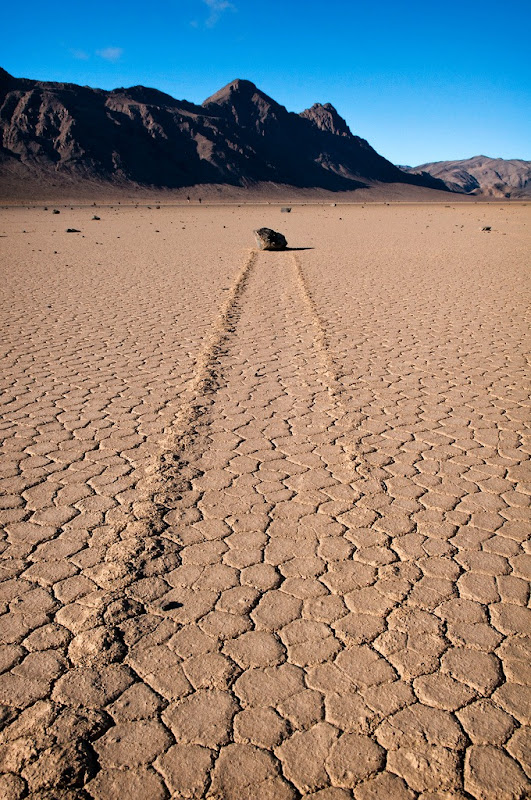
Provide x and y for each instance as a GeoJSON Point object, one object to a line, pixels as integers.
{"type": "Point", "coordinates": [422, 81]}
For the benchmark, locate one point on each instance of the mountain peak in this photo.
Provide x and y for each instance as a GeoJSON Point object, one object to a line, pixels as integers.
{"type": "Point", "coordinates": [234, 89]}
{"type": "Point", "coordinates": [327, 119]}
{"type": "Point", "coordinates": [248, 105]}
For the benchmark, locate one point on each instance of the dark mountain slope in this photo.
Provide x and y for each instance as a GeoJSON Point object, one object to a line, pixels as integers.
{"type": "Point", "coordinates": [481, 175]}
{"type": "Point", "coordinates": [140, 136]}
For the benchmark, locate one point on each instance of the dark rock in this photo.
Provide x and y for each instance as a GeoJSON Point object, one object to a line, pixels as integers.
{"type": "Point", "coordinates": [95, 217]}
{"type": "Point", "coordinates": [285, 210]}
{"type": "Point", "coordinates": [487, 228]}
{"type": "Point", "coordinates": [268, 239]}
{"type": "Point", "coordinates": [72, 230]}
{"type": "Point", "coordinates": [56, 211]}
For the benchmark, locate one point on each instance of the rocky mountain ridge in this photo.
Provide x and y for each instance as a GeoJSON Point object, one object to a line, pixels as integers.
{"type": "Point", "coordinates": [139, 136]}
{"type": "Point", "coordinates": [481, 175]}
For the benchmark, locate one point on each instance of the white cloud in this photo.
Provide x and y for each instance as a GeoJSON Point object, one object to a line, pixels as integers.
{"type": "Point", "coordinates": [79, 54]}
{"type": "Point", "coordinates": [110, 53]}
{"type": "Point", "coordinates": [217, 7]}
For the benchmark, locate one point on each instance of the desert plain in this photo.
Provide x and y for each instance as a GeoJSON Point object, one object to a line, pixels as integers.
{"type": "Point", "coordinates": [265, 515]}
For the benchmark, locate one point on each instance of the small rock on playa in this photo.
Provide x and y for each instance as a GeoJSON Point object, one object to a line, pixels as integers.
{"type": "Point", "coordinates": [268, 239]}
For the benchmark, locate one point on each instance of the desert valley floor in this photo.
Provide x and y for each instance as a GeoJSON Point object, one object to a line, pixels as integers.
{"type": "Point", "coordinates": [265, 515]}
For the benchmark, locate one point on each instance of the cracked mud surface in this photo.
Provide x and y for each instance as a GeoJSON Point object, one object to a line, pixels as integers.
{"type": "Point", "coordinates": [265, 514]}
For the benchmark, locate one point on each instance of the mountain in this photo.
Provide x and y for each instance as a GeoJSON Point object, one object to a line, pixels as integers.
{"type": "Point", "coordinates": [492, 177]}
{"type": "Point", "coordinates": [326, 118]}
{"type": "Point", "coordinates": [53, 132]}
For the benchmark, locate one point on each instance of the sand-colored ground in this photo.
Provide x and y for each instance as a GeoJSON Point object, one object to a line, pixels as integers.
{"type": "Point", "coordinates": [265, 514]}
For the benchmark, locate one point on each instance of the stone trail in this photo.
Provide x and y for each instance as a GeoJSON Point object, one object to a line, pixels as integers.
{"type": "Point", "coordinates": [281, 616]}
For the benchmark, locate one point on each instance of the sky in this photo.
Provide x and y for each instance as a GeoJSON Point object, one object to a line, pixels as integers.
{"type": "Point", "coordinates": [420, 80]}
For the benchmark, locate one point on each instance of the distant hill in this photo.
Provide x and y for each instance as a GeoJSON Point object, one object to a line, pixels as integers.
{"type": "Point", "coordinates": [491, 177]}
{"type": "Point", "coordinates": [52, 133]}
